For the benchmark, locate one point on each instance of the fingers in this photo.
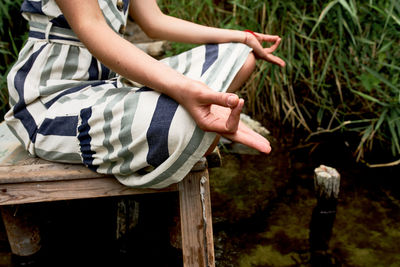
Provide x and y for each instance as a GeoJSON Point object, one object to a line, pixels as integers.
{"type": "Point", "coordinates": [209, 97]}
{"type": "Point", "coordinates": [274, 46]}
{"type": "Point", "coordinates": [252, 139]}
{"type": "Point", "coordinates": [248, 137]}
{"type": "Point", "coordinates": [234, 118]}
{"type": "Point", "coordinates": [276, 60]}
{"type": "Point", "coordinates": [268, 38]}
{"type": "Point", "coordinates": [224, 120]}
{"type": "Point", "coordinates": [266, 53]}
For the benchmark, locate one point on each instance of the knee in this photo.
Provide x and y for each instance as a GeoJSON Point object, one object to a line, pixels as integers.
{"type": "Point", "coordinates": [244, 73]}
{"type": "Point", "coordinates": [249, 65]}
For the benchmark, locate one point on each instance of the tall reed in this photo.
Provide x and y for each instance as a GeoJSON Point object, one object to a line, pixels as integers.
{"type": "Point", "coordinates": [343, 64]}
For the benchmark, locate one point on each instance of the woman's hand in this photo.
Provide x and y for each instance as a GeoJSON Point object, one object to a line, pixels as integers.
{"type": "Point", "coordinates": [220, 113]}
{"type": "Point", "coordinates": [255, 41]}
{"type": "Point", "coordinates": [243, 135]}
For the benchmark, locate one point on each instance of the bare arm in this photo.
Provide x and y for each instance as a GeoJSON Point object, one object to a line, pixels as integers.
{"type": "Point", "coordinates": [88, 23]}
{"type": "Point", "coordinates": [157, 25]}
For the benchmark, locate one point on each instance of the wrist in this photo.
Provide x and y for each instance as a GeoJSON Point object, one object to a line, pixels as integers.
{"type": "Point", "coordinates": [251, 32]}
{"type": "Point", "coordinates": [186, 90]}
{"type": "Point", "coordinates": [247, 33]}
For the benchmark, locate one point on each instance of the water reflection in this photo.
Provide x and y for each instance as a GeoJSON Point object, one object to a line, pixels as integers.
{"type": "Point", "coordinates": [262, 208]}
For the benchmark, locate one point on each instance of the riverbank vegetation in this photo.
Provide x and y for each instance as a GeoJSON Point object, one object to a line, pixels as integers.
{"type": "Point", "coordinates": [343, 65]}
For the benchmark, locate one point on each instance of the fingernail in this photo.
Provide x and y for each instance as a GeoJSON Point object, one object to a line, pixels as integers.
{"type": "Point", "coordinates": [232, 101]}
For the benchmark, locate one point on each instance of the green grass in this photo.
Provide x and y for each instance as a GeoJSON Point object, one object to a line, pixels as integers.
{"type": "Point", "coordinates": [12, 34]}
{"type": "Point", "coordinates": [343, 65]}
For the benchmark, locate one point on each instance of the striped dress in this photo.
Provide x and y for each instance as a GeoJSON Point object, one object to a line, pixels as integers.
{"type": "Point", "coordinates": [66, 106]}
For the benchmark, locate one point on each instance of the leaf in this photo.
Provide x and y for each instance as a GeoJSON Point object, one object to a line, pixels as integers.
{"type": "Point", "coordinates": [328, 60]}
{"type": "Point", "coordinates": [382, 79]}
{"type": "Point", "coordinates": [394, 17]}
{"type": "Point", "coordinates": [352, 11]}
{"type": "Point", "coordinates": [385, 47]}
{"type": "Point", "coordinates": [369, 81]}
{"type": "Point", "coordinates": [382, 118]}
{"type": "Point", "coordinates": [392, 127]}
{"type": "Point", "coordinates": [323, 14]}
{"type": "Point", "coordinates": [370, 98]}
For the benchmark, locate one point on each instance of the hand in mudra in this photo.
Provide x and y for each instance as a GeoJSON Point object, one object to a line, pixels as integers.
{"type": "Point", "coordinates": [256, 40]}
{"type": "Point", "coordinates": [220, 113]}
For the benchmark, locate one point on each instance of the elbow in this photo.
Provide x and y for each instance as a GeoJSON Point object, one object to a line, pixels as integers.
{"type": "Point", "coordinates": [151, 33]}
{"type": "Point", "coordinates": [154, 28]}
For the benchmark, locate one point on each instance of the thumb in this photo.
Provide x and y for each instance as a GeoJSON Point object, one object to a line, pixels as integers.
{"type": "Point", "coordinates": [222, 99]}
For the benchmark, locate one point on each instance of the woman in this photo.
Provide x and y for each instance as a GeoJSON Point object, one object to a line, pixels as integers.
{"type": "Point", "coordinates": [69, 105]}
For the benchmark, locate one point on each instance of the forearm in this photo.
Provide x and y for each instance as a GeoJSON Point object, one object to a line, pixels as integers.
{"type": "Point", "coordinates": [132, 63]}
{"type": "Point", "coordinates": [120, 55]}
{"type": "Point", "coordinates": [177, 30]}
{"type": "Point", "coordinates": [160, 26]}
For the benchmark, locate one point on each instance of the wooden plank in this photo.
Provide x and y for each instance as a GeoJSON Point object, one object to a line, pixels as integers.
{"type": "Point", "coordinates": [70, 189]}
{"type": "Point", "coordinates": [45, 172]}
{"type": "Point", "coordinates": [49, 171]}
{"type": "Point", "coordinates": [197, 236]}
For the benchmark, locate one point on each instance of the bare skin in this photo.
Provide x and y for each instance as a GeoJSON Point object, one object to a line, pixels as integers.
{"type": "Point", "coordinates": [212, 111]}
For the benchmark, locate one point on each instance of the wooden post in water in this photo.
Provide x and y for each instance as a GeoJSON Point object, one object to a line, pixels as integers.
{"type": "Point", "coordinates": [326, 184]}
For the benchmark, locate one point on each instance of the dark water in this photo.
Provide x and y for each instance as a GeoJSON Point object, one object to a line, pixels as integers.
{"type": "Point", "coordinates": [262, 208]}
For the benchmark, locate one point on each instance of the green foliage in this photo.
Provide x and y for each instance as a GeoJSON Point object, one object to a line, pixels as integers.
{"type": "Point", "coordinates": [12, 34]}
{"type": "Point", "coordinates": [342, 57]}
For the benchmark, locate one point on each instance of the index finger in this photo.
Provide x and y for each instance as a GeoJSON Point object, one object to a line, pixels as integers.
{"type": "Point", "coordinates": [273, 47]}
{"type": "Point", "coordinates": [269, 38]}
{"type": "Point", "coordinates": [276, 60]}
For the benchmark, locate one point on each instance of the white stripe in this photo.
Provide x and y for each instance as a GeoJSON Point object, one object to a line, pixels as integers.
{"type": "Point", "coordinates": [84, 61]}
{"type": "Point", "coordinates": [51, 9]}
{"type": "Point", "coordinates": [181, 62]}
{"type": "Point", "coordinates": [62, 144]}
{"type": "Point", "coordinates": [58, 65]}
{"type": "Point", "coordinates": [198, 58]}
{"type": "Point", "coordinates": [178, 136]}
{"type": "Point", "coordinates": [115, 125]}
{"type": "Point", "coordinates": [141, 122]}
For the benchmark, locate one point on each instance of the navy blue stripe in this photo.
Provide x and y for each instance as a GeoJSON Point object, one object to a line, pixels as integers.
{"type": "Point", "coordinates": [20, 111]}
{"type": "Point", "coordinates": [145, 89]}
{"type": "Point", "coordinates": [61, 22]}
{"type": "Point", "coordinates": [64, 126]}
{"type": "Point", "coordinates": [32, 7]}
{"type": "Point", "coordinates": [41, 35]}
{"type": "Point", "coordinates": [55, 37]}
{"type": "Point", "coordinates": [211, 56]}
{"type": "Point", "coordinates": [105, 72]}
{"type": "Point", "coordinates": [93, 70]}
{"type": "Point", "coordinates": [35, 34]}
{"type": "Point", "coordinates": [126, 5]}
{"type": "Point", "coordinates": [85, 139]}
{"type": "Point", "coordinates": [157, 134]}
{"type": "Point", "coordinates": [70, 91]}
